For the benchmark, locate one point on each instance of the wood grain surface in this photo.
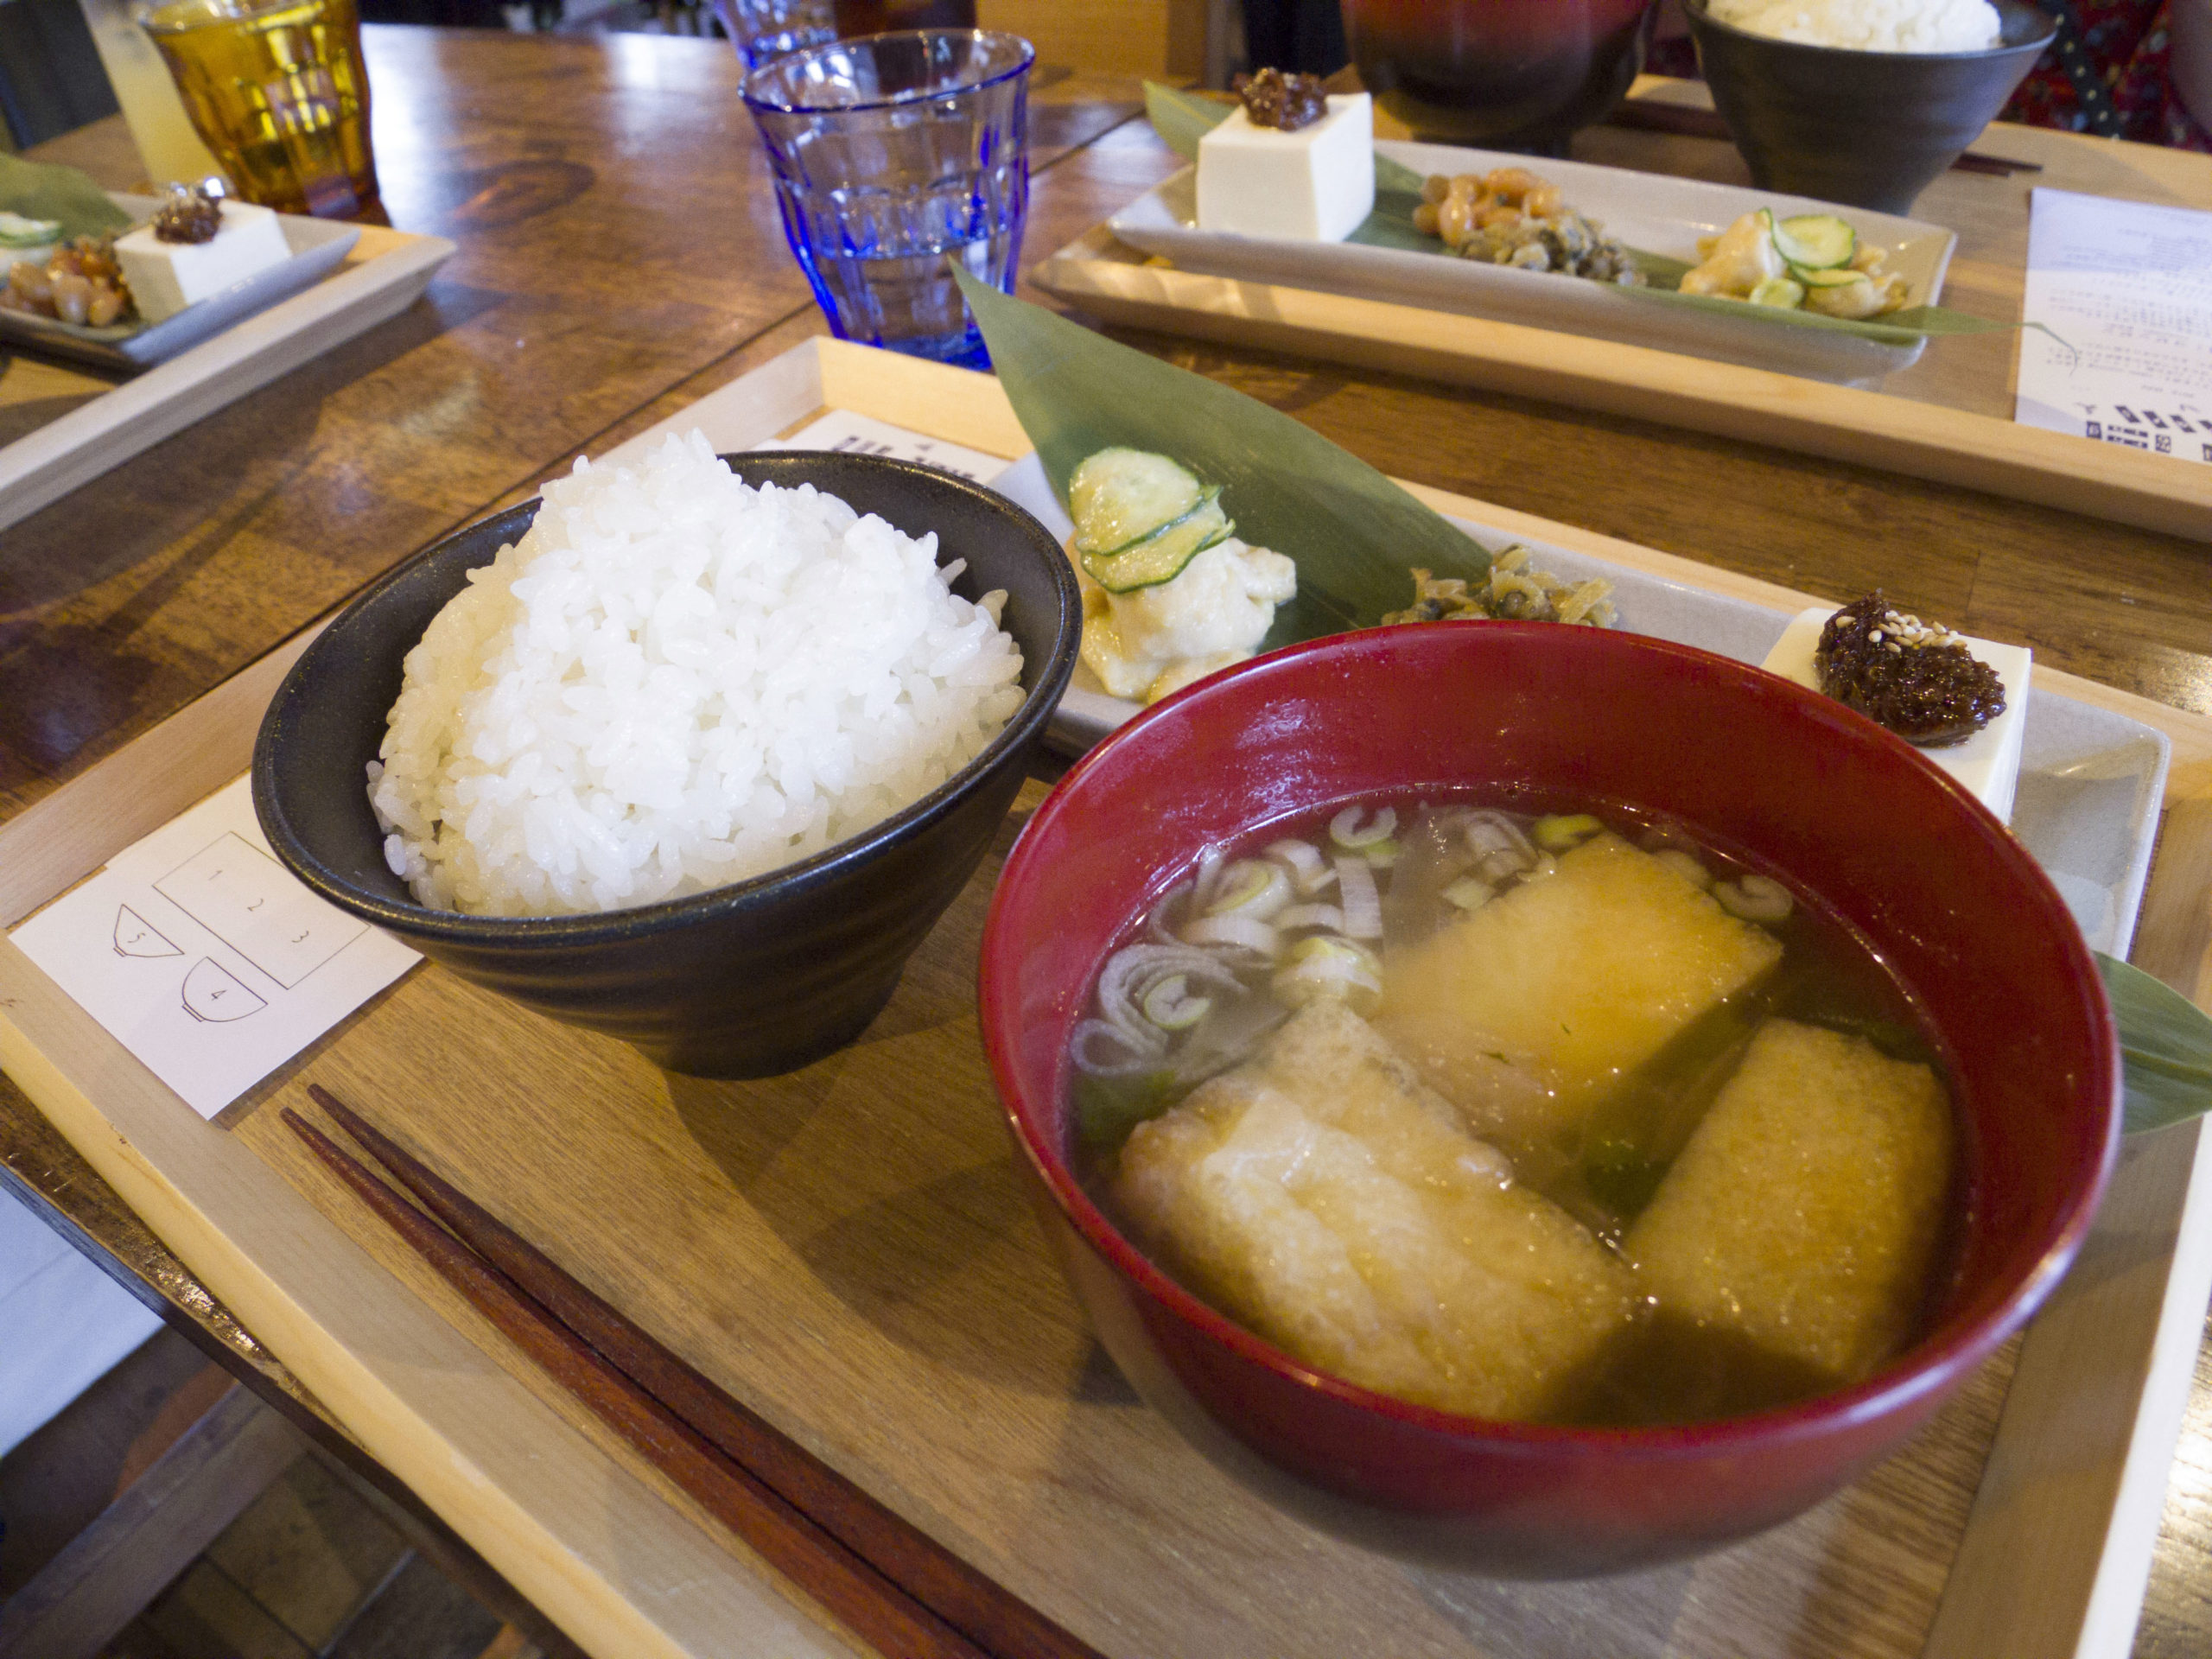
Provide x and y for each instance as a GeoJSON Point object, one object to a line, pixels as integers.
{"type": "Point", "coordinates": [662, 277]}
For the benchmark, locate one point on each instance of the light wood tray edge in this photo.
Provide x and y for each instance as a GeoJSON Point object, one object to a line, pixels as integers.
{"type": "Point", "coordinates": [607, 1557]}
{"type": "Point", "coordinates": [1845, 423]}
{"type": "Point", "coordinates": [381, 277]}
{"type": "Point", "coordinates": [180, 1173]}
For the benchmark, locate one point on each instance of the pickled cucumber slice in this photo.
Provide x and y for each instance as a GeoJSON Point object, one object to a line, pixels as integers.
{"type": "Point", "coordinates": [17, 232]}
{"type": "Point", "coordinates": [1815, 241]}
{"type": "Point", "coordinates": [1161, 556]}
{"type": "Point", "coordinates": [1120, 497]}
{"type": "Point", "coordinates": [1778, 291]}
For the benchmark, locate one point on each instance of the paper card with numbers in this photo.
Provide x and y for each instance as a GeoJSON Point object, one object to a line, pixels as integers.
{"type": "Point", "coordinates": [205, 957]}
{"type": "Point", "coordinates": [2123, 289]}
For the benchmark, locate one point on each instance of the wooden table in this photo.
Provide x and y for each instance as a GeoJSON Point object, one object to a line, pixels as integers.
{"type": "Point", "coordinates": [620, 257]}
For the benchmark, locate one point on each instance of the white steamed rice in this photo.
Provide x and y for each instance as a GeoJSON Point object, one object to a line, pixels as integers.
{"type": "Point", "coordinates": [673, 682]}
{"type": "Point", "coordinates": [1868, 25]}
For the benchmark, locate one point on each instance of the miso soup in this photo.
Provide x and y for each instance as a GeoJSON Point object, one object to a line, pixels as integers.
{"type": "Point", "coordinates": [1560, 1118]}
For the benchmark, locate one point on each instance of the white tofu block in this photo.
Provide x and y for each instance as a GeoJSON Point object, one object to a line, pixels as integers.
{"type": "Point", "coordinates": [166, 277]}
{"type": "Point", "coordinates": [1314, 185]}
{"type": "Point", "coordinates": [1988, 763]}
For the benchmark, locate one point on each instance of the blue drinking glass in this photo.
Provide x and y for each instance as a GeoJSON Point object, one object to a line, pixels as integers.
{"type": "Point", "coordinates": [895, 155]}
{"type": "Point", "coordinates": [764, 30]}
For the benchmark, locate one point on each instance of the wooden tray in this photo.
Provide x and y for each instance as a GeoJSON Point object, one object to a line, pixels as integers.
{"type": "Point", "coordinates": [846, 1250]}
{"type": "Point", "coordinates": [1947, 419]}
{"type": "Point", "coordinates": [61, 426]}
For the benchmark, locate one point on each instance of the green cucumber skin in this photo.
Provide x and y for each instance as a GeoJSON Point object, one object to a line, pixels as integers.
{"type": "Point", "coordinates": [1812, 242]}
{"type": "Point", "coordinates": [1133, 493]}
{"type": "Point", "coordinates": [1208, 498]}
{"type": "Point", "coordinates": [1161, 556]}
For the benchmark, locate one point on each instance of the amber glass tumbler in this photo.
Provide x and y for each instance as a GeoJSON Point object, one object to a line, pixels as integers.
{"type": "Point", "coordinates": [1508, 74]}
{"type": "Point", "coordinates": [277, 90]}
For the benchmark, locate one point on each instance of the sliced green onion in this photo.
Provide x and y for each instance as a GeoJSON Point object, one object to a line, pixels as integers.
{"type": "Point", "coordinates": [1245, 932]}
{"type": "Point", "coordinates": [1329, 967]}
{"type": "Point", "coordinates": [1469, 892]}
{"type": "Point", "coordinates": [1169, 1005]}
{"type": "Point", "coordinates": [1299, 916]}
{"type": "Point", "coordinates": [1684, 865]}
{"type": "Point", "coordinates": [1309, 871]}
{"type": "Point", "coordinates": [1382, 854]}
{"type": "Point", "coordinates": [1754, 898]}
{"type": "Point", "coordinates": [1251, 886]}
{"type": "Point", "coordinates": [1363, 905]}
{"type": "Point", "coordinates": [1346, 831]}
{"type": "Point", "coordinates": [1562, 833]}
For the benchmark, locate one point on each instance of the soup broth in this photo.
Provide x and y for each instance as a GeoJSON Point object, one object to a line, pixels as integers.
{"type": "Point", "coordinates": [1559, 1117]}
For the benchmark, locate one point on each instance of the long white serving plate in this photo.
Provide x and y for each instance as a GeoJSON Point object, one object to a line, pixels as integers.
{"type": "Point", "coordinates": [1647, 211]}
{"type": "Point", "coordinates": [237, 357]}
{"type": "Point", "coordinates": [319, 247]}
{"type": "Point", "coordinates": [2091, 780]}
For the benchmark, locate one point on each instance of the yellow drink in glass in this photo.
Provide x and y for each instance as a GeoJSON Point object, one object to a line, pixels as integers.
{"type": "Point", "coordinates": [277, 90]}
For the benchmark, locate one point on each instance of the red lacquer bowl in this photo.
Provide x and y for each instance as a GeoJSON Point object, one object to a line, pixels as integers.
{"type": "Point", "coordinates": [1506, 75]}
{"type": "Point", "coordinates": [1554, 716]}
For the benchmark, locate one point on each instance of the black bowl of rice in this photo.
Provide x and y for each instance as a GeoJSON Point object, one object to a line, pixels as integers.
{"type": "Point", "coordinates": [693, 761]}
{"type": "Point", "coordinates": [1862, 102]}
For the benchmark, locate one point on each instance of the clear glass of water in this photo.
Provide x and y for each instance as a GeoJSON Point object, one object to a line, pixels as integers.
{"type": "Point", "coordinates": [896, 155]}
{"type": "Point", "coordinates": [764, 30]}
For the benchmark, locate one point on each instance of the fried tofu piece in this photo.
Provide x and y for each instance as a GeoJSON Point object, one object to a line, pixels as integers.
{"type": "Point", "coordinates": [1804, 1214]}
{"type": "Point", "coordinates": [1325, 1198]}
{"type": "Point", "coordinates": [1529, 1011]}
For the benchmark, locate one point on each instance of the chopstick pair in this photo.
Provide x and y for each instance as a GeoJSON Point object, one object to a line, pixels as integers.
{"type": "Point", "coordinates": [888, 1581]}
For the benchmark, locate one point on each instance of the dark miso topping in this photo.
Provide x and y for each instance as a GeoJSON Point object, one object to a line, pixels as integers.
{"type": "Point", "coordinates": [1915, 679]}
{"type": "Point", "coordinates": [1285, 102]}
{"type": "Point", "coordinates": [190, 214]}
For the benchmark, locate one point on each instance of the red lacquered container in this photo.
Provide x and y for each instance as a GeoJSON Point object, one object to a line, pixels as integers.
{"type": "Point", "coordinates": [1547, 716]}
{"type": "Point", "coordinates": [1504, 74]}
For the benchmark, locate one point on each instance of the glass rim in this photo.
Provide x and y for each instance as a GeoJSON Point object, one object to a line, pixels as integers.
{"type": "Point", "coordinates": [755, 100]}
{"type": "Point", "coordinates": [204, 14]}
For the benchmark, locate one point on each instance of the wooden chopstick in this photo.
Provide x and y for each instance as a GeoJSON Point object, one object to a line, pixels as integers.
{"type": "Point", "coordinates": [868, 1603]}
{"type": "Point", "coordinates": [1688, 121]}
{"type": "Point", "coordinates": [967, 1600]}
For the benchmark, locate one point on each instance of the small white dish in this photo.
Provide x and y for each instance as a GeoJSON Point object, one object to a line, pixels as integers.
{"type": "Point", "coordinates": [319, 247]}
{"type": "Point", "coordinates": [1647, 211]}
{"type": "Point", "coordinates": [1988, 763]}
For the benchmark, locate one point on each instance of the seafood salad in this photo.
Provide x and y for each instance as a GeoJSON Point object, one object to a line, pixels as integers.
{"type": "Point", "coordinates": [1170, 594]}
{"type": "Point", "coordinates": [1812, 262]}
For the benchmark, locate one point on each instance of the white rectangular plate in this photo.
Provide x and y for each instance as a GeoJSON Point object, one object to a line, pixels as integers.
{"type": "Point", "coordinates": [1647, 211]}
{"type": "Point", "coordinates": [228, 361]}
{"type": "Point", "coordinates": [319, 247]}
{"type": "Point", "coordinates": [2091, 781]}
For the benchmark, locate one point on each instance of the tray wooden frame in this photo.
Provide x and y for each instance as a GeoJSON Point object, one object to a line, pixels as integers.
{"type": "Point", "coordinates": [1977, 448]}
{"type": "Point", "coordinates": [381, 277]}
{"type": "Point", "coordinates": [2052, 1560]}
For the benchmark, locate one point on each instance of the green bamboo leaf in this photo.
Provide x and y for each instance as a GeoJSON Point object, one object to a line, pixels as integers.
{"type": "Point", "coordinates": [2165, 1041]}
{"type": "Point", "coordinates": [48, 190]}
{"type": "Point", "coordinates": [1391, 223]}
{"type": "Point", "coordinates": [1182, 118]}
{"type": "Point", "coordinates": [1894, 328]}
{"type": "Point", "coordinates": [1354, 533]}
{"type": "Point", "coordinates": [1398, 179]}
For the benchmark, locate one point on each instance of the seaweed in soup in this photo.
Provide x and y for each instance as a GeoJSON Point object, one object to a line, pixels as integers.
{"type": "Point", "coordinates": [1318, 1062]}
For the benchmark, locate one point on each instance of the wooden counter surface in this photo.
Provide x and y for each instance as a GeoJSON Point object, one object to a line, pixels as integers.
{"type": "Point", "coordinates": [619, 257]}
